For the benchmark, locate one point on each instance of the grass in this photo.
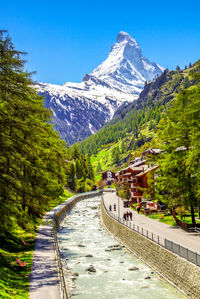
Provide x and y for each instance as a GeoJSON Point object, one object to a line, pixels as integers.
{"type": "Point", "coordinates": [67, 194]}
{"type": "Point", "coordinates": [187, 218]}
{"type": "Point", "coordinates": [165, 218]}
{"type": "Point", "coordinates": [168, 219]}
{"type": "Point", "coordinates": [14, 282]}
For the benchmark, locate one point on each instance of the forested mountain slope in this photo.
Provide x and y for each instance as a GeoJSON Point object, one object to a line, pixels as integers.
{"type": "Point", "coordinates": [136, 124]}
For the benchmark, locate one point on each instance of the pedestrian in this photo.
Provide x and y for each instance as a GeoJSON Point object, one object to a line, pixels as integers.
{"type": "Point", "coordinates": [139, 207]}
{"type": "Point", "coordinates": [110, 208]}
{"type": "Point", "coordinates": [130, 215]}
{"type": "Point", "coordinates": [127, 216]}
{"type": "Point", "coordinates": [124, 216]}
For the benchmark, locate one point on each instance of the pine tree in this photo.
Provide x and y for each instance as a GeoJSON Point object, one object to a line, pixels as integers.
{"type": "Point", "coordinates": [178, 180]}
{"type": "Point", "coordinates": [32, 156]}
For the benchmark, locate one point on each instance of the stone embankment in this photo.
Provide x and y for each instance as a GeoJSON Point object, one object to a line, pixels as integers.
{"type": "Point", "coordinates": [178, 271]}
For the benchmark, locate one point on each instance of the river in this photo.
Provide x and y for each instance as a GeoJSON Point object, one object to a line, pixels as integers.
{"type": "Point", "coordinates": [98, 266]}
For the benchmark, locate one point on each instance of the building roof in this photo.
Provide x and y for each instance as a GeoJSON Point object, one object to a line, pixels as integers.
{"type": "Point", "coordinates": [146, 171]}
{"type": "Point", "coordinates": [152, 151]}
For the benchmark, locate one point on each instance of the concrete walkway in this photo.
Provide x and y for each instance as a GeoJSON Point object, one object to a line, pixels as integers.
{"type": "Point", "coordinates": [175, 234]}
{"type": "Point", "coordinates": [44, 280]}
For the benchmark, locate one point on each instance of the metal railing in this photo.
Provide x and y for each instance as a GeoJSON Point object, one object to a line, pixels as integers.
{"type": "Point", "coordinates": [181, 251]}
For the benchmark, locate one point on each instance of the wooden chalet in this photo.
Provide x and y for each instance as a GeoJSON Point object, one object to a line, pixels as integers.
{"type": "Point", "coordinates": [136, 177]}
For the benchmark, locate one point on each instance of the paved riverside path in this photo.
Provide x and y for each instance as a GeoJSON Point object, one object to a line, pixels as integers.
{"type": "Point", "coordinates": [44, 280]}
{"type": "Point", "coordinates": [172, 233]}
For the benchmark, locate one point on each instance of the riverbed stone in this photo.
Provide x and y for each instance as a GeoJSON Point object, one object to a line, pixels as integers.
{"type": "Point", "coordinates": [148, 277]}
{"type": "Point", "coordinates": [81, 245]}
{"type": "Point", "coordinates": [89, 255]}
{"type": "Point", "coordinates": [133, 269]}
{"type": "Point", "coordinates": [91, 269]}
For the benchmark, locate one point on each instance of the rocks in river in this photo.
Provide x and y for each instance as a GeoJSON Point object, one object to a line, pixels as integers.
{"type": "Point", "coordinates": [93, 208]}
{"type": "Point", "coordinates": [81, 245]}
{"type": "Point", "coordinates": [91, 269]}
{"type": "Point", "coordinates": [89, 255]}
{"type": "Point", "coordinates": [75, 274]}
{"type": "Point", "coordinates": [152, 272]}
{"type": "Point", "coordinates": [133, 269]}
{"type": "Point", "coordinates": [113, 247]}
{"type": "Point", "coordinates": [148, 277]}
{"type": "Point", "coordinates": [145, 287]}
{"type": "Point", "coordinates": [121, 262]}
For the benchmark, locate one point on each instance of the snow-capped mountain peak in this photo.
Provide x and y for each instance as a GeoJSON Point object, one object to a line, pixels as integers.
{"type": "Point", "coordinates": [80, 109]}
{"type": "Point", "coordinates": [126, 68]}
{"type": "Point", "coordinates": [124, 37]}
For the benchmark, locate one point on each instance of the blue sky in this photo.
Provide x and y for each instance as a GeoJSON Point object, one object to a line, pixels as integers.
{"type": "Point", "coordinates": [66, 39]}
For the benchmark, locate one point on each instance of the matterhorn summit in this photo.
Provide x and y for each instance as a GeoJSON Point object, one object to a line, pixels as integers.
{"type": "Point", "coordinates": [80, 109]}
{"type": "Point", "coordinates": [126, 68]}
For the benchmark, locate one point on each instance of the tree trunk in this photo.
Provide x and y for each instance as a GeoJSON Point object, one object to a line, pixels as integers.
{"type": "Point", "coordinates": [192, 215]}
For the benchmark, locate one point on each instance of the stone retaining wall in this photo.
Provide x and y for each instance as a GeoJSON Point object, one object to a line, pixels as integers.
{"type": "Point", "coordinates": [181, 273]}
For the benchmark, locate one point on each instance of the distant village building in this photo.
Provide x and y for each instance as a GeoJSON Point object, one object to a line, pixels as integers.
{"type": "Point", "coordinates": [108, 177]}
{"type": "Point", "coordinates": [136, 175]}
{"type": "Point", "coordinates": [151, 151]}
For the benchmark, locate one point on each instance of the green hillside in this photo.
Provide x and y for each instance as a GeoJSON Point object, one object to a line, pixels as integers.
{"type": "Point", "coordinates": [134, 126]}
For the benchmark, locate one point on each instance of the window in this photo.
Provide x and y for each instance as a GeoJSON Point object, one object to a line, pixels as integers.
{"type": "Point", "coordinates": [109, 174]}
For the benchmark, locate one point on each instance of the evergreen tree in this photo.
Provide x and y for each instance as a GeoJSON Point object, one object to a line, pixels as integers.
{"type": "Point", "coordinates": [116, 155]}
{"type": "Point", "coordinates": [123, 147]}
{"type": "Point", "coordinates": [178, 180]}
{"type": "Point", "coordinates": [98, 167]}
{"type": "Point", "coordinates": [79, 169]}
{"type": "Point", "coordinates": [32, 156]}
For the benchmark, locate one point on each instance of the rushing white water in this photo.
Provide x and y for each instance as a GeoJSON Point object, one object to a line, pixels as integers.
{"type": "Point", "coordinates": [84, 244]}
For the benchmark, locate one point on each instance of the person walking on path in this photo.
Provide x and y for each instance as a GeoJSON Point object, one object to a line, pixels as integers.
{"type": "Point", "coordinates": [130, 215]}
{"type": "Point", "coordinates": [139, 208]}
{"type": "Point", "coordinates": [124, 216]}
